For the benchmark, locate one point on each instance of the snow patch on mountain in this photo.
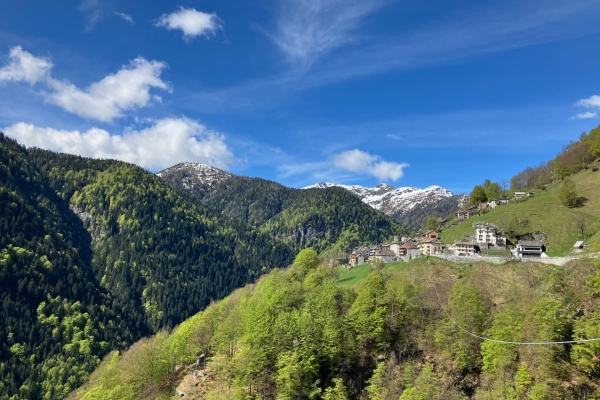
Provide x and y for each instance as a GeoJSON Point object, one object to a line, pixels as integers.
{"type": "Point", "coordinates": [195, 175]}
{"type": "Point", "coordinates": [394, 202]}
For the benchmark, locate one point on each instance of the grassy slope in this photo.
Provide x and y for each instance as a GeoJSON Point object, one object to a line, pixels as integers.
{"type": "Point", "coordinates": [545, 214]}
{"type": "Point", "coordinates": [353, 276]}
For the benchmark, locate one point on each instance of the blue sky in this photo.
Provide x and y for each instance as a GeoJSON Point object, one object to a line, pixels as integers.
{"type": "Point", "coordinates": [412, 93]}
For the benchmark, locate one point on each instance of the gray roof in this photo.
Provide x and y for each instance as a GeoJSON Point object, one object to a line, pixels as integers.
{"type": "Point", "coordinates": [466, 243]}
{"type": "Point", "coordinates": [530, 243]}
{"type": "Point", "coordinates": [385, 252]}
{"type": "Point", "coordinates": [578, 243]}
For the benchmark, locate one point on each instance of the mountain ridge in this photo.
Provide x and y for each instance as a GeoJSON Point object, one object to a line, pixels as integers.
{"type": "Point", "coordinates": [332, 219]}
{"type": "Point", "coordinates": [408, 206]}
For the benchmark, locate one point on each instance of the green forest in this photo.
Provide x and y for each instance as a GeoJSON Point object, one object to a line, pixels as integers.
{"type": "Point", "coordinates": [300, 334]}
{"type": "Point", "coordinates": [95, 255]}
{"type": "Point", "coordinates": [324, 219]}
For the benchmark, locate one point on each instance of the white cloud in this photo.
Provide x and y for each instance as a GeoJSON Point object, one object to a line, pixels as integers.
{"type": "Point", "coordinates": [308, 29]}
{"type": "Point", "coordinates": [23, 66]}
{"type": "Point", "coordinates": [105, 100]}
{"type": "Point", "coordinates": [590, 102]}
{"type": "Point", "coordinates": [585, 115]}
{"type": "Point", "coordinates": [593, 103]}
{"type": "Point", "coordinates": [368, 164]}
{"type": "Point", "coordinates": [125, 17]}
{"type": "Point", "coordinates": [191, 22]}
{"type": "Point", "coordinates": [393, 136]}
{"type": "Point", "coordinates": [164, 143]}
{"type": "Point", "coordinates": [108, 98]}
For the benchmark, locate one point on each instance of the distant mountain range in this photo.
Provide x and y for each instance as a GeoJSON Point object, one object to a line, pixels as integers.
{"type": "Point", "coordinates": [331, 219]}
{"type": "Point", "coordinates": [407, 205]}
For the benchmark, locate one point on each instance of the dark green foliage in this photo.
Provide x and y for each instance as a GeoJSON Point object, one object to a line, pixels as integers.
{"type": "Point", "coordinates": [432, 223]}
{"type": "Point", "coordinates": [96, 254]}
{"type": "Point", "coordinates": [324, 219]}
{"type": "Point", "coordinates": [56, 322]}
{"type": "Point", "coordinates": [478, 195]}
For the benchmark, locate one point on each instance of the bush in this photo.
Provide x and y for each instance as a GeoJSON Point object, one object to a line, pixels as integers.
{"type": "Point", "coordinates": [567, 194]}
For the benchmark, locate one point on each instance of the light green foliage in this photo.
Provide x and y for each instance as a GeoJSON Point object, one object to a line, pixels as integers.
{"type": "Point", "coordinates": [523, 379]}
{"type": "Point", "coordinates": [306, 260]}
{"type": "Point", "coordinates": [337, 391]}
{"type": "Point", "coordinates": [506, 326]}
{"type": "Point", "coordinates": [294, 336]}
{"type": "Point", "coordinates": [493, 191]}
{"type": "Point", "coordinates": [568, 193]}
{"type": "Point", "coordinates": [376, 388]}
{"type": "Point", "coordinates": [587, 355]}
{"type": "Point", "coordinates": [427, 386]}
{"type": "Point", "coordinates": [368, 313]}
{"type": "Point", "coordinates": [468, 309]}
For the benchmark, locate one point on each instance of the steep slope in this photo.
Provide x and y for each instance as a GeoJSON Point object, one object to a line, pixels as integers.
{"type": "Point", "coordinates": [57, 320]}
{"type": "Point", "coordinates": [331, 219]}
{"type": "Point", "coordinates": [407, 205]}
{"type": "Point", "coordinates": [295, 334]}
{"type": "Point", "coordinates": [96, 254]}
{"type": "Point", "coordinates": [155, 248]}
{"type": "Point", "coordinates": [544, 214]}
{"type": "Point", "coordinates": [323, 219]}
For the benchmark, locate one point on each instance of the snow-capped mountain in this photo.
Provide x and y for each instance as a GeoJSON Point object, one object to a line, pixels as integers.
{"type": "Point", "coordinates": [195, 178]}
{"type": "Point", "coordinates": [407, 205]}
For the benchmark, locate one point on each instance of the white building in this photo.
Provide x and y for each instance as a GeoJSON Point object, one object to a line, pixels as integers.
{"type": "Point", "coordinates": [395, 246]}
{"type": "Point", "coordinates": [498, 202]}
{"type": "Point", "coordinates": [529, 249]}
{"type": "Point", "coordinates": [520, 195]}
{"type": "Point", "coordinates": [489, 235]}
{"type": "Point", "coordinates": [464, 248]}
{"type": "Point", "coordinates": [430, 246]}
{"type": "Point", "coordinates": [386, 255]}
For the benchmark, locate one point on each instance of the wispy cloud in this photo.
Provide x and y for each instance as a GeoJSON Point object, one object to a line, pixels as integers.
{"type": "Point", "coordinates": [92, 13]}
{"type": "Point", "coordinates": [164, 143]}
{"type": "Point", "coordinates": [309, 30]}
{"type": "Point", "coordinates": [504, 26]}
{"type": "Point", "coordinates": [105, 100]}
{"type": "Point", "coordinates": [585, 115]}
{"type": "Point", "coordinates": [191, 22]}
{"type": "Point", "coordinates": [393, 136]}
{"type": "Point", "coordinates": [306, 30]}
{"type": "Point", "coordinates": [125, 17]}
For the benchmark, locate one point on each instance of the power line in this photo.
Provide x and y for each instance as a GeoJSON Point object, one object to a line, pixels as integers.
{"type": "Point", "coordinates": [504, 341]}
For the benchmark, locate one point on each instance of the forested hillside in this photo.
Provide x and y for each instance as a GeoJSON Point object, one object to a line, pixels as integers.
{"type": "Point", "coordinates": [56, 319]}
{"type": "Point", "coordinates": [326, 219]}
{"type": "Point", "coordinates": [96, 254]}
{"type": "Point", "coordinates": [298, 334]}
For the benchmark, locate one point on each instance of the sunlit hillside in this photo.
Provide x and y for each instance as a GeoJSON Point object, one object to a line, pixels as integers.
{"type": "Point", "coordinates": [308, 332]}
{"type": "Point", "coordinates": [544, 213]}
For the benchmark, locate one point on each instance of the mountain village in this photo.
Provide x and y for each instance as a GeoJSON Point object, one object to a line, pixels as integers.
{"type": "Point", "coordinates": [424, 243]}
